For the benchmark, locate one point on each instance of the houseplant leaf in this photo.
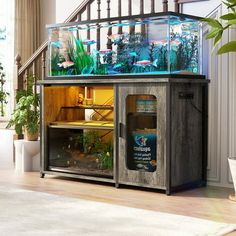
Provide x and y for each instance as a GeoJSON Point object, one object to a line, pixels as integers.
{"type": "Point", "coordinates": [218, 37]}
{"type": "Point", "coordinates": [232, 22]}
{"type": "Point", "coordinates": [228, 47]}
{"type": "Point", "coordinates": [229, 16]}
{"type": "Point", "coordinates": [212, 33]}
{"type": "Point", "coordinates": [214, 23]}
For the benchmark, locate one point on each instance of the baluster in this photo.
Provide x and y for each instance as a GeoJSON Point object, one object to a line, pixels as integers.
{"type": "Point", "coordinates": [165, 5]}
{"type": "Point", "coordinates": [119, 15]}
{"type": "Point", "coordinates": [141, 7]}
{"type": "Point", "coordinates": [43, 65]}
{"type": "Point", "coordinates": [152, 6]}
{"type": "Point", "coordinates": [109, 43]}
{"type": "Point", "coordinates": [25, 83]}
{"type": "Point", "coordinates": [78, 18]}
{"type": "Point", "coordinates": [34, 77]}
{"type": "Point", "coordinates": [98, 28]}
{"type": "Point", "coordinates": [130, 7]}
{"type": "Point", "coordinates": [142, 12]}
{"type": "Point", "coordinates": [176, 6]}
{"type": "Point", "coordinates": [131, 28]}
{"type": "Point", "coordinates": [88, 8]}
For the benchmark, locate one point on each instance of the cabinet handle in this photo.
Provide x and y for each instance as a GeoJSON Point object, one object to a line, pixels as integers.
{"type": "Point", "coordinates": [121, 130]}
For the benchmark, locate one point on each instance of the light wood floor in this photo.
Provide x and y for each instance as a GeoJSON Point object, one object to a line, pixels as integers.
{"type": "Point", "coordinates": [207, 203]}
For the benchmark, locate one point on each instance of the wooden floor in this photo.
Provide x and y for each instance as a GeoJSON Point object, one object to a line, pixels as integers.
{"type": "Point", "coordinates": [207, 203]}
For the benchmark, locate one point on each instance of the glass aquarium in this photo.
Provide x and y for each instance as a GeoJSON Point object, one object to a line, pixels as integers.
{"type": "Point", "coordinates": [160, 43]}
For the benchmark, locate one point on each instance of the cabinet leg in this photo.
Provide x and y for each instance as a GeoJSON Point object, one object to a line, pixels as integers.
{"type": "Point", "coordinates": [42, 175]}
{"type": "Point", "coordinates": [117, 185]}
{"type": "Point", "coordinates": [168, 192]}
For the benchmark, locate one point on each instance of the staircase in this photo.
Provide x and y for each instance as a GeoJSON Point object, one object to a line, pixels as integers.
{"type": "Point", "coordinates": [36, 64]}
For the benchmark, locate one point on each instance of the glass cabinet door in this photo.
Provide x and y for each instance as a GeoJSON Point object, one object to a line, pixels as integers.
{"type": "Point", "coordinates": [141, 133]}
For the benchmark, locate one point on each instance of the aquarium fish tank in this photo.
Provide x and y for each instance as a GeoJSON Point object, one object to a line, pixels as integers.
{"type": "Point", "coordinates": [160, 43]}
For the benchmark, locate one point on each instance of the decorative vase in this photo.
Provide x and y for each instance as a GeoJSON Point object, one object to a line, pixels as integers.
{"type": "Point", "coordinates": [232, 166]}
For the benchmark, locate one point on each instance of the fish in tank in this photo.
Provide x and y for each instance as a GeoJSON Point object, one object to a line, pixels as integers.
{"type": "Point", "coordinates": [160, 43]}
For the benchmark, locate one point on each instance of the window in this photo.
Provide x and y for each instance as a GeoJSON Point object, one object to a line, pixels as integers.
{"type": "Point", "coordinates": [7, 50]}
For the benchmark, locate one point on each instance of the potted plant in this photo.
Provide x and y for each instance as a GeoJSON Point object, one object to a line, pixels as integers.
{"type": "Point", "coordinates": [216, 32]}
{"type": "Point", "coordinates": [3, 94]}
{"type": "Point", "coordinates": [26, 115]}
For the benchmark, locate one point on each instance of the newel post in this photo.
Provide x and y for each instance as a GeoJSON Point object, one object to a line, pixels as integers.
{"type": "Point", "coordinates": [18, 80]}
{"type": "Point", "coordinates": [18, 84]}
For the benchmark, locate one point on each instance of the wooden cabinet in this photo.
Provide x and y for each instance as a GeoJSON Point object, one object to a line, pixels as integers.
{"type": "Point", "coordinates": [158, 128]}
{"type": "Point", "coordinates": [154, 121]}
{"type": "Point", "coordinates": [180, 127]}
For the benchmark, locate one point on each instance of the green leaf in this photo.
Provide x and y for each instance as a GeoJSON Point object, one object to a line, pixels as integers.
{"type": "Point", "coordinates": [227, 4]}
{"type": "Point", "coordinates": [232, 1]}
{"type": "Point", "coordinates": [229, 16]}
{"type": "Point", "coordinates": [212, 22]}
{"type": "Point", "coordinates": [218, 37]}
{"type": "Point", "coordinates": [232, 22]}
{"type": "Point", "coordinates": [228, 47]}
{"type": "Point", "coordinates": [212, 33]}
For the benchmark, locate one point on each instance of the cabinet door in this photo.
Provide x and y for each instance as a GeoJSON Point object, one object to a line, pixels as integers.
{"type": "Point", "coordinates": [142, 135]}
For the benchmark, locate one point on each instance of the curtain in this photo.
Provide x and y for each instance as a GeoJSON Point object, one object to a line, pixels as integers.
{"type": "Point", "coordinates": [27, 28]}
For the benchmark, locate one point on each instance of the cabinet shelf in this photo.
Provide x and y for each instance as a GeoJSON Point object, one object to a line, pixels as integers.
{"type": "Point", "coordinates": [142, 114]}
{"type": "Point", "coordinates": [95, 106]}
{"type": "Point", "coordinates": [83, 124]}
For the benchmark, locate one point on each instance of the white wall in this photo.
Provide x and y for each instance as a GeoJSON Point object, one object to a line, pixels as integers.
{"type": "Point", "coordinates": [64, 8]}
{"type": "Point", "coordinates": [200, 8]}
{"type": "Point", "coordinates": [222, 106]}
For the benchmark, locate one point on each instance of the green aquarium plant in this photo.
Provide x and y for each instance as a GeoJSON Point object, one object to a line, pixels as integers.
{"type": "Point", "coordinates": [3, 93]}
{"type": "Point", "coordinates": [217, 28]}
{"type": "Point", "coordinates": [93, 143]}
{"type": "Point", "coordinates": [83, 61]}
{"type": "Point", "coordinates": [26, 115]}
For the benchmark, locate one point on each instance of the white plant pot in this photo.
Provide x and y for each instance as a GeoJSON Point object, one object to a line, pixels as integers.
{"type": "Point", "coordinates": [232, 166]}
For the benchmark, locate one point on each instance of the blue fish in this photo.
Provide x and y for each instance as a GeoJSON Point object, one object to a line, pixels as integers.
{"type": "Point", "coordinates": [73, 29]}
{"type": "Point", "coordinates": [133, 54]}
{"type": "Point", "coordinates": [56, 44]}
{"type": "Point", "coordinates": [89, 42]}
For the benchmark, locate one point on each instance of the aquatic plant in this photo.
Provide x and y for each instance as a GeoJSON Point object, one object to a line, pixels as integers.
{"type": "Point", "coordinates": [159, 56]}
{"type": "Point", "coordinates": [93, 143]}
{"type": "Point", "coordinates": [128, 53]}
{"type": "Point", "coordinates": [83, 62]}
{"type": "Point", "coordinates": [186, 54]}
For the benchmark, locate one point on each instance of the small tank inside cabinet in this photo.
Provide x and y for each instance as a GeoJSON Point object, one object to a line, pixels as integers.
{"type": "Point", "coordinates": [80, 129]}
{"type": "Point", "coordinates": [153, 44]}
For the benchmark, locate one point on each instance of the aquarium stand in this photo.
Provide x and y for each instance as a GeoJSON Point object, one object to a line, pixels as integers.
{"type": "Point", "coordinates": [154, 134]}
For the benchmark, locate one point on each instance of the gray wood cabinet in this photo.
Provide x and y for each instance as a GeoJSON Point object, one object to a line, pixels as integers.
{"type": "Point", "coordinates": [181, 135]}
{"type": "Point", "coordinates": [159, 129]}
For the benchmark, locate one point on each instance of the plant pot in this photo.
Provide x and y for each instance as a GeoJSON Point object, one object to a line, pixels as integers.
{"type": "Point", "coordinates": [31, 137]}
{"type": "Point", "coordinates": [232, 166]}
